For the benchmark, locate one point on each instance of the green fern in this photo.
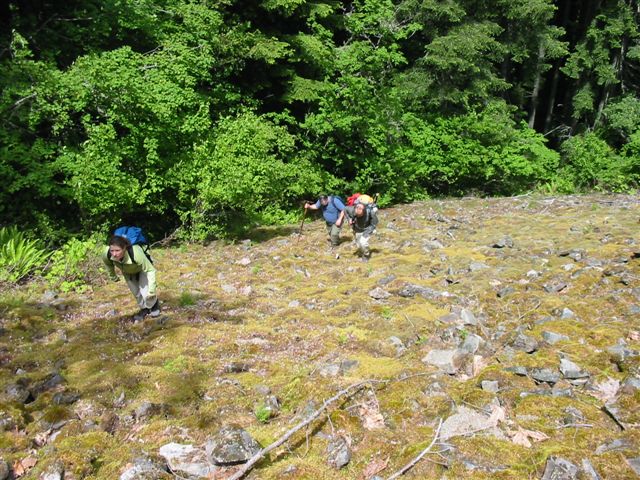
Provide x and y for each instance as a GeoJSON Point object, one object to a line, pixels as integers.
{"type": "Point", "coordinates": [19, 256]}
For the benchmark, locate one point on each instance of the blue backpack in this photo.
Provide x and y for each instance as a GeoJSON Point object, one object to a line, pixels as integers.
{"type": "Point", "coordinates": [135, 236]}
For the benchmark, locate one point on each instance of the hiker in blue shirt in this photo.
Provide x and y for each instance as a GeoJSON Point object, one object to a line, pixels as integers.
{"type": "Point", "coordinates": [331, 206]}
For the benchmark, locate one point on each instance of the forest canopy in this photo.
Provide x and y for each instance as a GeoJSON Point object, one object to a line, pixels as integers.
{"type": "Point", "coordinates": [210, 116]}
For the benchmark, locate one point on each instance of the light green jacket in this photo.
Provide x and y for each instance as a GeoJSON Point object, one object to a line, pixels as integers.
{"type": "Point", "coordinates": [129, 267]}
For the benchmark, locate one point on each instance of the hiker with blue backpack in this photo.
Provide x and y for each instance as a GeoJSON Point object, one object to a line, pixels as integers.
{"type": "Point", "coordinates": [126, 253]}
{"type": "Point", "coordinates": [331, 206]}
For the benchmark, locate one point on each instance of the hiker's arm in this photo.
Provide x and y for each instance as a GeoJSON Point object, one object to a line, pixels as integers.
{"type": "Point", "coordinates": [340, 219]}
{"type": "Point", "coordinates": [312, 206]}
{"type": "Point", "coordinates": [372, 224]}
{"type": "Point", "coordinates": [109, 264]}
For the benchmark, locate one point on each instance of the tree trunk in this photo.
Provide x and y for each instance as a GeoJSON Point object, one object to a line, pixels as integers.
{"type": "Point", "coordinates": [535, 94]}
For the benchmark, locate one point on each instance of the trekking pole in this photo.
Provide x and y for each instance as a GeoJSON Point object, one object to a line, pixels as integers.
{"type": "Point", "coordinates": [304, 215]}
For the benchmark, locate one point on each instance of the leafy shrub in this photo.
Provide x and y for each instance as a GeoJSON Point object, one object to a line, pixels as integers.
{"type": "Point", "coordinates": [589, 163]}
{"type": "Point", "coordinates": [19, 256]}
{"type": "Point", "coordinates": [242, 174]}
{"type": "Point", "coordinates": [485, 151]}
{"type": "Point", "coordinates": [71, 265]}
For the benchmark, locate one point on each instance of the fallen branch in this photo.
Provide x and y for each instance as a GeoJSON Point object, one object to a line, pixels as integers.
{"type": "Point", "coordinates": [350, 390]}
{"type": "Point", "coordinates": [412, 463]}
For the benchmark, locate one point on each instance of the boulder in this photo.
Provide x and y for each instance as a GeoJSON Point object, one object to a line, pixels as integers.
{"type": "Point", "coordinates": [449, 361]}
{"type": "Point", "coordinates": [525, 343]}
{"type": "Point", "coordinates": [338, 452]}
{"type": "Point", "coordinates": [187, 460]}
{"type": "Point", "coordinates": [559, 469]}
{"type": "Point", "coordinates": [544, 375]}
{"type": "Point", "coordinates": [231, 445]}
{"type": "Point", "coordinates": [570, 370]}
{"type": "Point", "coordinates": [145, 469]}
{"type": "Point", "coordinates": [552, 338]}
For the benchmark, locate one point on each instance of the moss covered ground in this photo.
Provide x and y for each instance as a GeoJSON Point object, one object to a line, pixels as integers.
{"type": "Point", "coordinates": [273, 311]}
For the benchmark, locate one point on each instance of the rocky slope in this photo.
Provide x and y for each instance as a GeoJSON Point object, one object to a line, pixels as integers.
{"type": "Point", "coordinates": [501, 336]}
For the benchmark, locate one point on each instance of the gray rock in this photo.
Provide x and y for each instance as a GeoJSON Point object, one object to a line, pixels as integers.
{"type": "Point", "coordinates": [54, 472]}
{"type": "Point", "coordinates": [270, 407]}
{"type": "Point", "coordinates": [505, 292]}
{"type": "Point", "coordinates": [146, 410]}
{"type": "Point", "coordinates": [630, 385]}
{"type": "Point", "coordinates": [5, 470]}
{"type": "Point", "coordinates": [505, 241]}
{"type": "Point", "coordinates": [614, 446]}
{"type": "Point", "coordinates": [66, 398]}
{"type": "Point", "coordinates": [518, 370]}
{"type": "Point", "coordinates": [471, 344]}
{"type": "Point", "coordinates": [572, 416]}
{"type": "Point", "coordinates": [477, 266]}
{"type": "Point", "coordinates": [331, 370]}
{"type": "Point", "coordinates": [571, 370]}
{"type": "Point", "coordinates": [525, 343]}
{"type": "Point", "coordinates": [567, 313]}
{"type": "Point", "coordinates": [554, 287]}
{"type": "Point", "coordinates": [50, 382]}
{"type": "Point", "coordinates": [7, 422]}
{"type": "Point", "coordinates": [386, 280]}
{"type": "Point", "coordinates": [449, 361]}
{"type": "Point", "coordinates": [625, 417]}
{"type": "Point", "coordinates": [145, 469]}
{"type": "Point", "coordinates": [263, 389]}
{"type": "Point", "coordinates": [463, 422]}
{"type": "Point", "coordinates": [410, 290]}
{"type": "Point", "coordinates": [450, 318]}
{"type": "Point", "coordinates": [17, 392]}
{"type": "Point", "coordinates": [574, 254]}
{"type": "Point", "coordinates": [231, 445]}
{"type": "Point", "coordinates": [559, 469]}
{"type": "Point", "coordinates": [620, 353]}
{"type": "Point", "coordinates": [467, 317]}
{"type": "Point", "coordinates": [544, 375]}
{"type": "Point", "coordinates": [338, 452]}
{"type": "Point", "coordinates": [552, 338]}
{"type": "Point", "coordinates": [634, 463]}
{"type": "Point", "coordinates": [236, 367]}
{"type": "Point", "coordinates": [187, 460]}
{"type": "Point", "coordinates": [588, 470]}
{"type": "Point", "coordinates": [398, 344]}
{"type": "Point", "coordinates": [430, 245]}
{"type": "Point", "coordinates": [294, 304]}
{"type": "Point", "coordinates": [379, 294]}
{"type": "Point", "coordinates": [490, 386]}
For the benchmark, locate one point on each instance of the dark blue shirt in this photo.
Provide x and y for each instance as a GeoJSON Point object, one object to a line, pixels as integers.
{"type": "Point", "coordinates": [332, 211]}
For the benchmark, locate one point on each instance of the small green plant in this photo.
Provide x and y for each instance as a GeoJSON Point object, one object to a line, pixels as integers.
{"type": "Point", "coordinates": [69, 266]}
{"type": "Point", "coordinates": [262, 413]}
{"type": "Point", "coordinates": [343, 338]}
{"type": "Point", "coordinates": [187, 299]}
{"type": "Point", "coordinates": [176, 365]}
{"type": "Point", "coordinates": [387, 313]}
{"type": "Point", "coordinates": [19, 256]}
{"type": "Point", "coordinates": [256, 269]}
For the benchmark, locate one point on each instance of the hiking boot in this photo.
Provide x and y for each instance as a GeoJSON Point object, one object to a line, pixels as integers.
{"type": "Point", "coordinates": [138, 317]}
{"type": "Point", "coordinates": [155, 310]}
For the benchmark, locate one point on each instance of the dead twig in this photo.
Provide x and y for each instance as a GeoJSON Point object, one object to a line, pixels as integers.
{"type": "Point", "coordinates": [412, 463]}
{"type": "Point", "coordinates": [349, 391]}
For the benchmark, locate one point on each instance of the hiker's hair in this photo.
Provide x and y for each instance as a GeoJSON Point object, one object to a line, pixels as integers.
{"type": "Point", "coordinates": [324, 197]}
{"type": "Point", "coordinates": [118, 241]}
